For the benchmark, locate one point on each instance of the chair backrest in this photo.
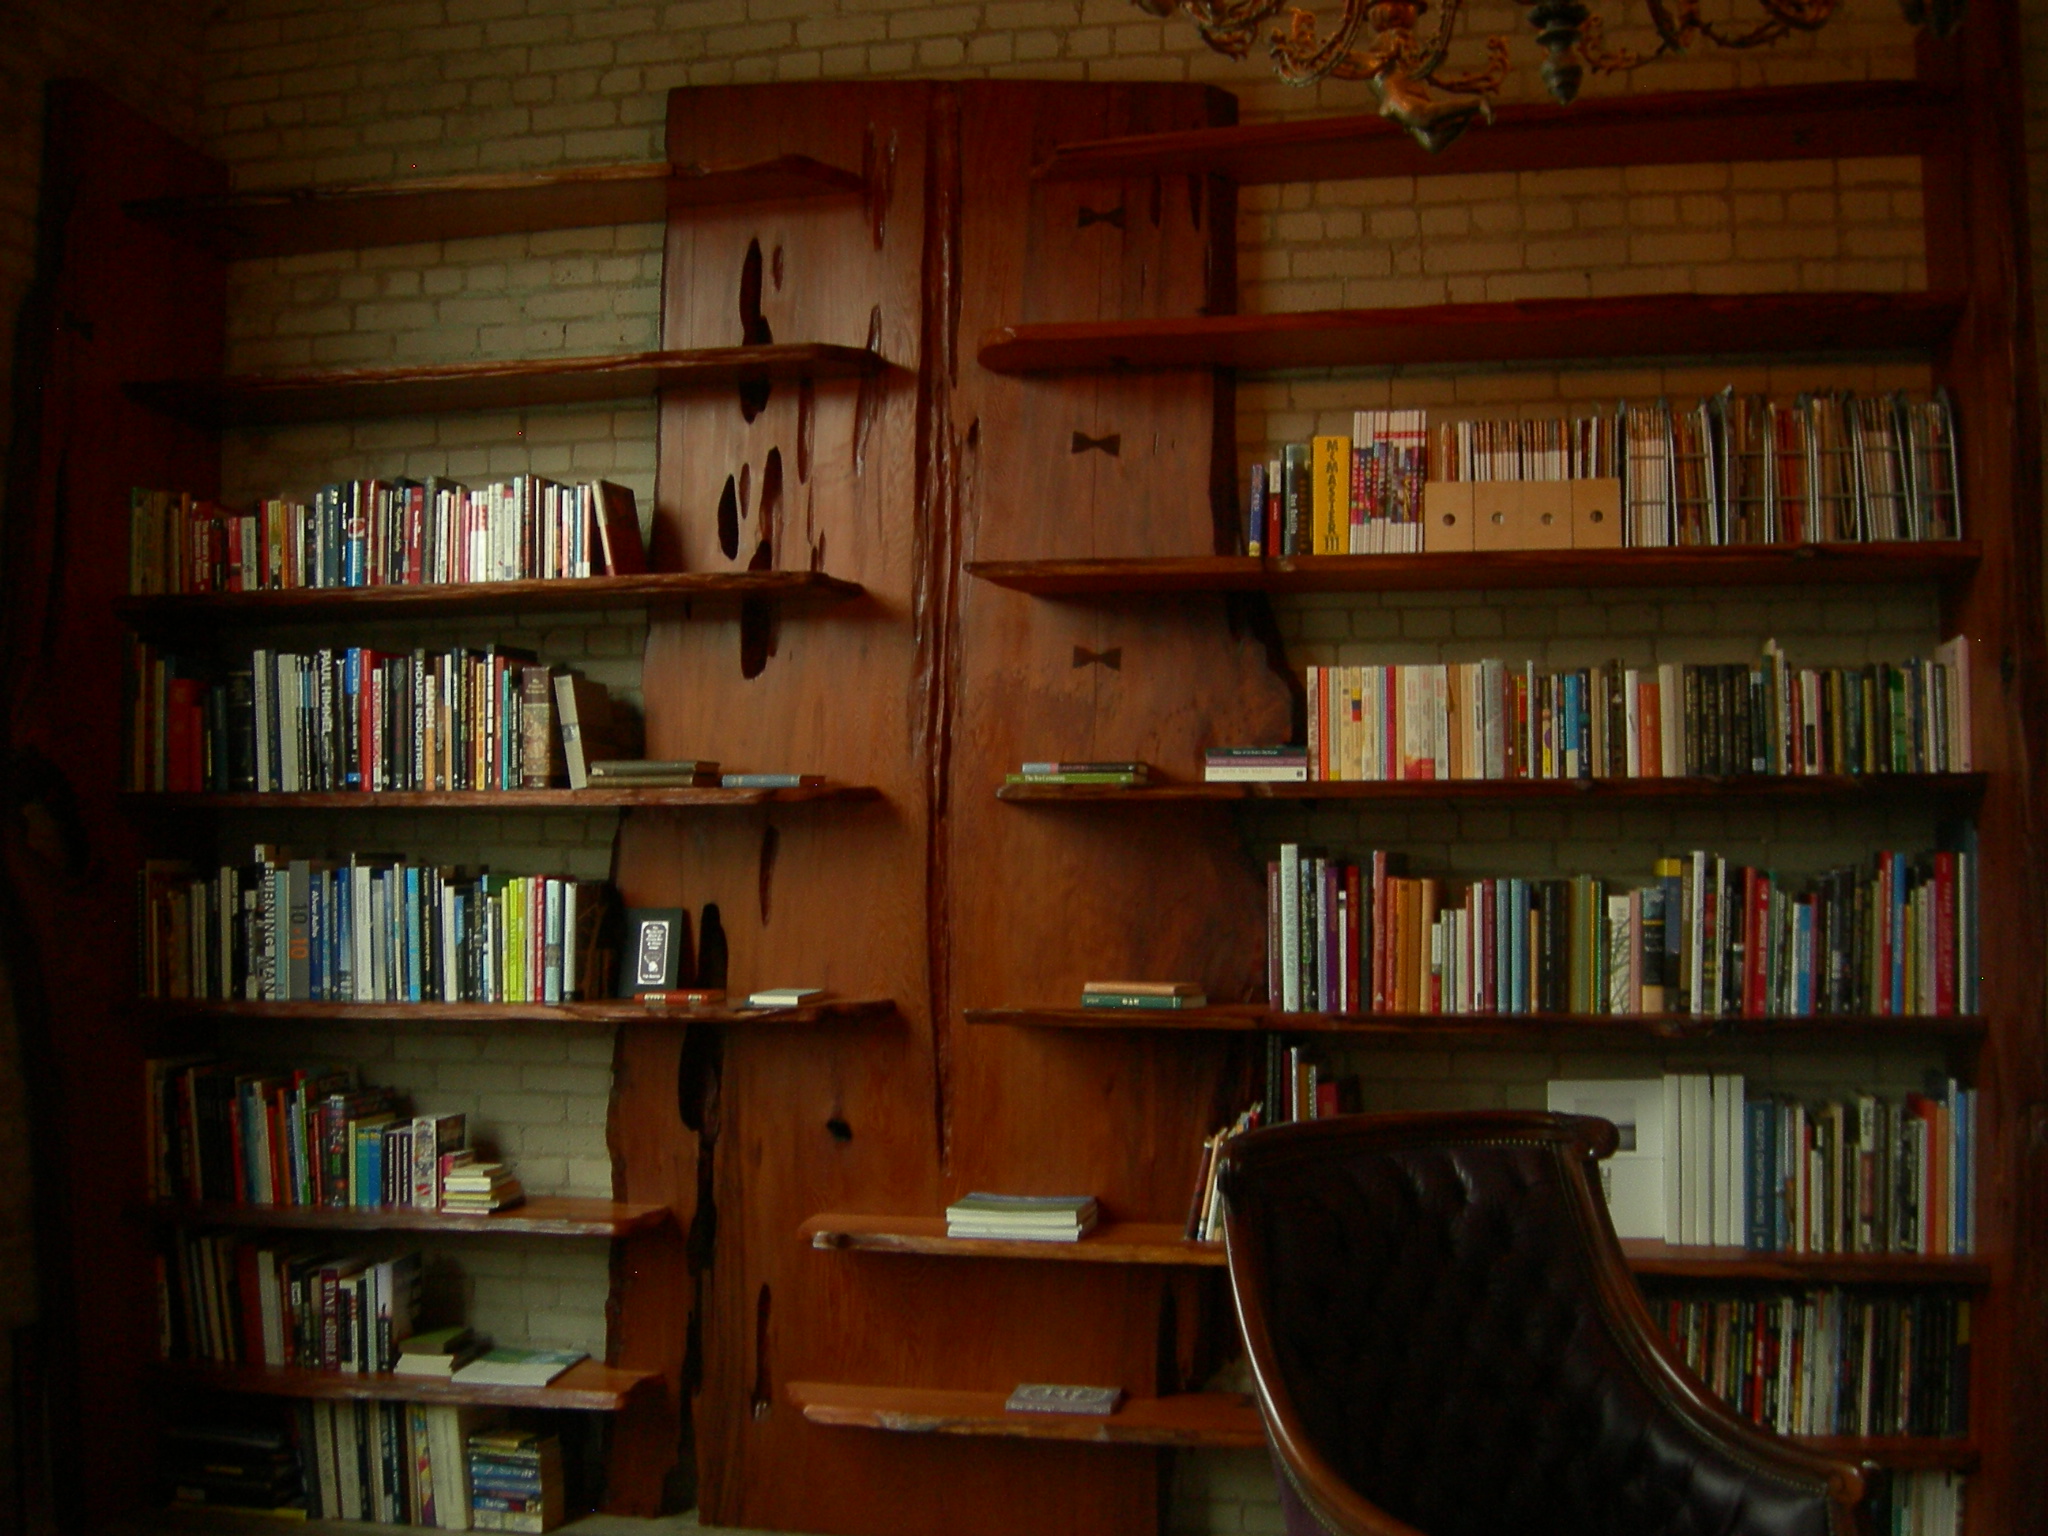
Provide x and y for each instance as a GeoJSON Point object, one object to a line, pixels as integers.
{"type": "Point", "coordinates": [1445, 1339]}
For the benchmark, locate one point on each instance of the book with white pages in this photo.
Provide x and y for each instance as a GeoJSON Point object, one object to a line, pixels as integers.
{"type": "Point", "coordinates": [1633, 1178]}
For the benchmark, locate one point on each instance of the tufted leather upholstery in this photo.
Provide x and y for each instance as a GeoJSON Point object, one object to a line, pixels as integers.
{"type": "Point", "coordinates": [1445, 1340]}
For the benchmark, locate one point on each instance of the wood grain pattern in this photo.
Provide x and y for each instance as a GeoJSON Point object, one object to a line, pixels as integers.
{"type": "Point", "coordinates": [538, 1216]}
{"type": "Point", "coordinates": [295, 220]}
{"type": "Point", "coordinates": [586, 1386]}
{"type": "Point", "coordinates": [1209, 1420]}
{"type": "Point", "coordinates": [1796, 122]}
{"type": "Point", "coordinates": [1513, 570]}
{"type": "Point", "coordinates": [1525, 330]}
{"type": "Point", "coordinates": [624, 1010]}
{"type": "Point", "coordinates": [341, 394]}
{"type": "Point", "coordinates": [661, 591]}
{"type": "Point", "coordinates": [708, 798]}
{"type": "Point", "coordinates": [1764, 787]}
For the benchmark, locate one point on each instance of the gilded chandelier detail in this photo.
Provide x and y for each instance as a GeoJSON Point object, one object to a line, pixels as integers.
{"type": "Point", "coordinates": [1382, 43]}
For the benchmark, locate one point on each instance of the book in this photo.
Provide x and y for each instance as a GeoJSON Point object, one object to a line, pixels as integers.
{"type": "Point", "coordinates": [634, 773]}
{"type": "Point", "coordinates": [1144, 1000]}
{"type": "Point", "coordinates": [1024, 1214]}
{"type": "Point", "coordinates": [439, 1352]}
{"type": "Point", "coordinates": [771, 780]}
{"type": "Point", "coordinates": [1633, 1178]}
{"type": "Point", "coordinates": [620, 548]}
{"type": "Point", "coordinates": [1144, 988]}
{"type": "Point", "coordinates": [784, 997]}
{"type": "Point", "coordinates": [506, 1367]}
{"type": "Point", "coordinates": [1051, 1397]}
{"type": "Point", "coordinates": [584, 712]}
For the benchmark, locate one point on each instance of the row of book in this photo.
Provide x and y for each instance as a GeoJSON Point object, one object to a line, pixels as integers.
{"type": "Point", "coordinates": [1830, 1362]}
{"type": "Point", "coordinates": [1704, 937]}
{"type": "Point", "coordinates": [309, 1136]}
{"type": "Point", "coordinates": [367, 928]}
{"type": "Point", "coordinates": [1703, 1162]}
{"type": "Point", "coordinates": [228, 1299]}
{"type": "Point", "coordinates": [1732, 469]}
{"type": "Point", "coordinates": [351, 718]}
{"type": "Point", "coordinates": [450, 1466]}
{"type": "Point", "coordinates": [376, 533]}
{"type": "Point", "coordinates": [1917, 1504]}
{"type": "Point", "coordinates": [1205, 1210]}
{"type": "Point", "coordinates": [1492, 720]}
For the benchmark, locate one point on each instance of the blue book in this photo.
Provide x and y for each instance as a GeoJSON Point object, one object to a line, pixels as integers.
{"type": "Point", "coordinates": [316, 935]}
{"type": "Point", "coordinates": [413, 991]}
{"type": "Point", "coordinates": [351, 696]}
{"type": "Point", "coordinates": [1255, 514]}
{"type": "Point", "coordinates": [1802, 958]}
{"type": "Point", "coordinates": [1518, 942]}
{"type": "Point", "coordinates": [1760, 1146]}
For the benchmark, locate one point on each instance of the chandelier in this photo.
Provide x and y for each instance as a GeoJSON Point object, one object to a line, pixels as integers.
{"type": "Point", "coordinates": [1376, 41]}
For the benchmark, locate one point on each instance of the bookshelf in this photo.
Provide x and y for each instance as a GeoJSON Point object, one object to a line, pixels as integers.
{"type": "Point", "coordinates": [705, 798]}
{"type": "Point", "coordinates": [537, 1216]}
{"type": "Point", "coordinates": [586, 1387]}
{"type": "Point", "coordinates": [964, 911]}
{"type": "Point", "coordinates": [1760, 789]}
{"type": "Point", "coordinates": [855, 1010]}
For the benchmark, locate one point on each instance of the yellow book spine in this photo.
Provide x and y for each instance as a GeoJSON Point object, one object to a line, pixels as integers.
{"type": "Point", "coordinates": [1330, 476]}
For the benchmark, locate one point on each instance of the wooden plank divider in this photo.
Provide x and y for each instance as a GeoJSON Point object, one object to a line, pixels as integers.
{"type": "Point", "coordinates": [294, 220]}
{"type": "Point", "coordinates": [587, 1386]}
{"type": "Point", "coordinates": [538, 1216]}
{"type": "Point", "coordinates": [1692, 1262]}
{"type": "Point", "coordinates": [1750, 787]}
{"type": "Point", "coordinates": [1188, 1419]}
{"type": "Point", "coordinates": [1840, 120]}
{"type": "Point", "coordinates": [856, 1010]}
{"type": "Point", "coordinates": [1516, 331]}
{"type": "Point", "coordinates": [1758, 565]}
{"type": "Point", "coordinates": [1415, 1031]}
{"type": "Point", "coordinates": [675, 798]}
{"type": "Point", "coordinates": [342, 394]}
{"type": "Point", "coordinates": [659, 591]}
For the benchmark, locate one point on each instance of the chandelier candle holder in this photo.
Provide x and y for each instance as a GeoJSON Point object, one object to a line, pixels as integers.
{"type": "Point", "coordinates": [1378, 41]}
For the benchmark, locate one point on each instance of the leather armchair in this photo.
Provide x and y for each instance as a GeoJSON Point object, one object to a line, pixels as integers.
{"type": "Point", "coordinates": [1445, 1341]}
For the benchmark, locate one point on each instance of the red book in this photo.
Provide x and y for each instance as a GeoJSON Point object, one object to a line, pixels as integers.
{"type": "Point", "coordinates": [1944, 933]}
{"type": "Point", "coordinates": [1756, 906]}
{"type": "Point", "coordinates": [1354, 935]}
{"type": "Point", "coordinates": [415, 534]}
{"type": "Point", "coordinates": [618, 530]}
{"type": "Point", "coordinates": [1273, 957]}
{"type": "Point", "coordinates": [1326, 1100]}
{"type": "Point", "coordinates": [1381, 926]}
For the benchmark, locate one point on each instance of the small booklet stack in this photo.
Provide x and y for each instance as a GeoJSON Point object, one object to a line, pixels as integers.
{"type": "Point", "coordinates": [478, 1188]}
{"type": "Point", "coordinates": [505, 1367]}
{"type": "Point", "coordinates": [439, 1352]}
{"type": "Point", "coordinates": [1255, 765]}
{"type": "Point", "coordinates": [653, 773]}
{"type": "Point", "coordinates": [1143, 994]}
{"type": "Point", "coordinates": [1027, 1218]}
{"type": "Point", "coordinates": [515, 1480]}
{"type": "Point", "coordinates": [1116, 775]}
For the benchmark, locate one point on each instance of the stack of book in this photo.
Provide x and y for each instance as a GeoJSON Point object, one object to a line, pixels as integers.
{"type": "Point", "coordinates": [364, 929]}
{"type": "Point", "coordinates": [649, 773]}
{"type": "Point", "coordinates": [478, 1188]}
{"type": "Point", "coordinates": [1027, 1218]}
{"type": "Point", "coordinates": [1829, 1362]}
{"type": "Point", "coordinates": [310, 1136]}
{"type": "Point", "coordinates": [1255, 765]}
{"type": "Point", "coordinates": [233, 1465]}
{"type": "Point", "coordinates": [1124, 775]}
{"type": "Point", "coordinates": [1703, 936]}
{"type": "Point", "coordinates": [1704, 1163]}
{"type": "Point", "coordinates": [229, 1300]}
{"type": "Point", "coordinates": [395, 1463]}
{"type": "Point", "coordinates": [375, 533]}
{"type": "Point", "coordinates": [515, 1480]}
{"type": "Point", "coordinates": [439, 1352]}
{"type": "Point", "coordinates": [347, 718]}
{"type": "Point", "coordinates": [1143, 994]}
{"type": "Point", "coordinates": [509, 1367]}
{"type": "Point", "coordinates": [1491, 720]}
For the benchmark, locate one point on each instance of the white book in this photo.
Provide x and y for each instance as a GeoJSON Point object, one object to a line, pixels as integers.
{"type": "Point", "coordinates": [1290, 927]}
{"type": "Point", "coordinates": [1621, 950]}
{"type": "Point", "coordinates": [1728, 1165]}
{"type": "Point", "coordinates": [1674, 1158]}
{"type": "Point", "coordinates": [1632, 722]}
{"type": "Point", "coordinates": [1633, 1179]}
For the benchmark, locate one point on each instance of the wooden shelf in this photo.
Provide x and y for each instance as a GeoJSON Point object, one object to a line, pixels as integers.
{"type": "Point", "coordinates": [857, 1010]}
{"type": "Point", "coordinates": [1740, 787]}
{"type": "Point", "coordinates": [351, 216]}
{"type": "Point", "coordinates": [345, 393]}
{"type": "Point", "coordinates": [1675, 1261]}
{"type": "Point", "coordinates": [499, 799]}
{"type": "Point", "coordinates": [1130, 1242]}
{"type": "Point", "coordinates": [1490, 1031]}
{"type": "Point", "coordinates": [1528, 330]}
{"type": "Point", "coordinates": [1112, 1242]}
{"type": "Point", "coordinates": [1193, 1419]}
{"type": "Point", "coordinates": [1754, 565]}
{"type": "Point", "coordinates": [585, 1385]}
{"type": "Point", "coordinates": [661, 591]}
{"type": "Point", "coordinates": [1806, 122]}
{"type": "Point", "coordinates": [540, 1216]}
{"type": "Point", "coordinates": [1209, 1419]}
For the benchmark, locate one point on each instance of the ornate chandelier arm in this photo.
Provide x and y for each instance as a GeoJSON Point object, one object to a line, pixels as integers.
{"type": "Point", "coordinates": [1786, 16]}
{"type": "Point", "coordinates": [1302, 59]}
{"type": "Point", "coordinates": [1228, 26]}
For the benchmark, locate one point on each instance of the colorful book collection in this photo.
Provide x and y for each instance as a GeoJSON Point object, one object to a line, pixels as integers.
{"type": "Point", "coordinates": [1732, 469]}
{"type": "Point", "coordinates": [515, 1479]}
{"type": "Point", "coordinates": [310, 1136]}
{"type": "Point", "coordinates": [226, 1299]}
{"type": "Point", "coordinates": [1828, 1361]}
{"type": "Point", "coordinates": [1704, 1163]}
{"type": "Point", "coordinates": [367, 929]}
{"type": "Point", "coordinates": [1492, 720]}
{"type": "Point", "coordinates": [1704, 937]}
{"type": "Point", "coordinates": [350, 718]}
{"type": "Point", "coordinates": [1205, 1210]}
{"type": "Point", "coordinates": [232, 1464]}
{"type": "Point", "coordinates": [382, 533]}
{"type": "Point", "coordinates": [1918, 1504]}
